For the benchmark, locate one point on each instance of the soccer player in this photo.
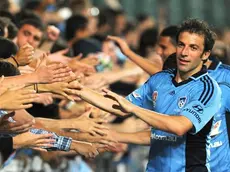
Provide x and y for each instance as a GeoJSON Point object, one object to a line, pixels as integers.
{"type": "Point", "coordinates": [178, 104]}
{"type": "Point", "coordinates": [219, 145]}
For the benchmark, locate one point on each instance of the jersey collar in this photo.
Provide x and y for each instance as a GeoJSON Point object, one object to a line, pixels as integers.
{"type": "Point", "coordinates": [215, 63]}
{"type": "Point", "coordinates": [195, 76]}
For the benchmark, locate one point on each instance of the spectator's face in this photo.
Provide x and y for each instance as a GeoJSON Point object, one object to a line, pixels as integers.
{"type": "Point", "coordinates": [190, 53]}
{"type": "Point", "coordinates": [165, 47]}
{"type": "Point", "coordinates": [29, 34]}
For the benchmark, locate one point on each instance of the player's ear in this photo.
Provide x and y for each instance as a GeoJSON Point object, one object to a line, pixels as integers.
{"type": "Point", "coordinates": [205, 55]}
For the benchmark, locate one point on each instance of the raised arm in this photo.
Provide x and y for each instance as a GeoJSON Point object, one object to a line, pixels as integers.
{"type": "Point", "coordinates": [145, 64]}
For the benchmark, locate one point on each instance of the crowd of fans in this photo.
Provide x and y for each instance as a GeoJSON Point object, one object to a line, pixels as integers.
{"type": "Point", "coordinates": [49, 54]}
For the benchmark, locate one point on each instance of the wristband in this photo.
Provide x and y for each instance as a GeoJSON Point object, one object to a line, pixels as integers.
{"type": "Point", "coordinates": [15, 60]}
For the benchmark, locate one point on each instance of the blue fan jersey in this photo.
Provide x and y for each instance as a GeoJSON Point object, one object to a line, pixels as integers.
{"type": "Point", "coordinates": [198, 99]}
{"type": "Point", "coordinates": [220, 152]}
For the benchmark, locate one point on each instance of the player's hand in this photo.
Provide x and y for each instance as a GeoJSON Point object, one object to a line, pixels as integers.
{"type": "Point", "coordinates": [124, 104]}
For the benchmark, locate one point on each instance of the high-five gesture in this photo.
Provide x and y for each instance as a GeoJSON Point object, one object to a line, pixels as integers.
{"type": "Point", "coordinates": [55, 72]}
{"type": "Point", "coordinates": [90, 125]}
{"type": "Point", "coordinates": [19, 98]}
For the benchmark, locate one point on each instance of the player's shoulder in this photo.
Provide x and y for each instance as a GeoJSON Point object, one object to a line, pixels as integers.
{"type": "Point", "coordinates": [164, 73]}
{"type": "Point", "coordinates": [206, 82]}
{"type": "Point", "coordinates": [162, 77]}
{"type": "Point", "coordinates": [224, 68]}
{"type": "Point", "coordinates": [206, 88]}
{"type": "Point", "coordinates": [225, 71]}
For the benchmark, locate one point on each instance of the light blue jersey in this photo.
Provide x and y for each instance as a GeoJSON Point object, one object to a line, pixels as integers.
{"type": "Point", "coordinates": [220, 152]}
{"type": "Point", "coordinates": [198, 99]}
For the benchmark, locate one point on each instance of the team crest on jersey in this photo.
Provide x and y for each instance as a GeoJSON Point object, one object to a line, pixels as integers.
{"type": "Point", "coordinates": [215, 129]}
{"type": "Point", "coordinates": [181, 102]}
{"type": "Point", "coordinates": [154, 97]}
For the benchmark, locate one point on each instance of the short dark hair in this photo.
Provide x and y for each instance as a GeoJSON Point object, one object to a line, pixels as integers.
{"type": "Point", "coordinates": [8, 69]}
{"type": "Point", "coordinates": [170, 31]}
{"type": "Point", "coordinates": [201, 28]}
{"type": "Point", "coordinates": [130, 27]}
{"type": "Point", "coordinates": [26, 14]}
{"type": "Point", "coordinates": [75, 23]}
{"type": "Point", "coordinates": [12, 28]}
{"type": "Point", "coordinates": [102, 19]}
{"type": "Point", "coordinates": [4, 5]}
{"type": "Point", "coordinates": [8, 48]}
{"type": "Point", "coordinates": [142, 17]}
{"type": "Point", "coordinates": [4, 22]}
{"type": "Point", "coordinates": [2, 28]}
{"type": "Point", "coordinates": [86, 46]}
{"type": "Point", "coordinates": [7, 14]}
{"type": "Point", "coordinates": [148, 39]}
{"type": "Point", "coordinates": [36, 23]}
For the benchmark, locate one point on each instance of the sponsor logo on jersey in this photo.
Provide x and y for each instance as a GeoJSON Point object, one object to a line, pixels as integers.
{"type": "Point", "coordinates": [136, 95]}
{"type": "Point", "coordinates": [198, 108]}
{"type": "Point", "coordinates": [154, 97]}
{"type": "Point", "coordinates": [181, 102]}
{"type": "Point", "coordinates": [216, 129]}
{"type": "Point", "coordinates": [194, 113]}
{"type": "Point", "coordinates": [164, 138]}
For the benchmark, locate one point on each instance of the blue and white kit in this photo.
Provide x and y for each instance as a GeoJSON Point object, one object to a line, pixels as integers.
{"type": "Point", "coordinates": [198, 99]}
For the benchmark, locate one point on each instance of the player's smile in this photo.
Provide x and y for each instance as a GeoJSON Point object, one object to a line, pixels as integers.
{"type": "Point", "coordinates": [183, 61]}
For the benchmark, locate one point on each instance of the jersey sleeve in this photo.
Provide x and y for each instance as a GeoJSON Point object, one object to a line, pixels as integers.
{"type": "Point", "coordinates": [225, 89]}
{"type": "Point", "coordinates": [204, 103]}
{"type": "Point", "coordinates": [139, 97]}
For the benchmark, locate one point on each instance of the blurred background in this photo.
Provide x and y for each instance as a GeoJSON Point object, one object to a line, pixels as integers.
{"type": "Point", "coordinates": [214, 12]}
